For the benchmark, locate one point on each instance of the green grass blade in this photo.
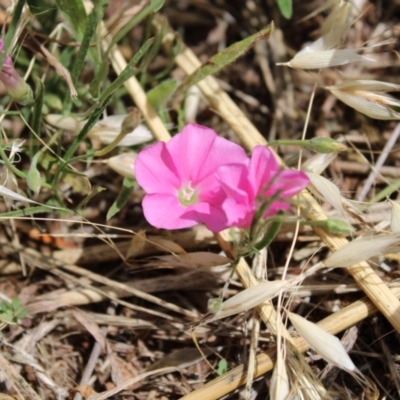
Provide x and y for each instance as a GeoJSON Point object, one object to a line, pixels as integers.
{"type": "Point", "coordinates": [31, 211]}
{"type": "Point", "coordinates": [129, 70]}
{"type": "Point", "coordinates": [83, 133]}
{"type": "Point", "coordinates": [123, 197]}
{"type": "Point", "coordinates": [151, 8]}
{"type": "Point", "coordinates": [79, 61]}
{"type": "Point", "coordinates": [223, 58]}
{"type": "Point", "coordinates": [286, 8]}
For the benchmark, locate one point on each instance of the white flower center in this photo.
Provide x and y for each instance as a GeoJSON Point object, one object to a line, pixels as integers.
{"type": "Point", "coordinates": [188, 195]}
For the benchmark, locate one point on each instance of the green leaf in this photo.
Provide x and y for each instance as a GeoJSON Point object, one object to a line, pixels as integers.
{"type": "Point", "coordinates": [127, 189]}
{"type": "Point", "coordinates": [286, 8]}
{"type": "Point", "coordinates": [154, 6]}
{"type": "Point", "coordinates": [128, 71]}
{"type": "Point", "coordinates": [157, 4]}
{"type": "Point", "coordinates": [15, 303]}
{"type": "Point", "coordinates": [37, 110]}
{"type": "Point", "coordinates": [269, 236]}
{"type": "Point", "coordinates": [223, 58]}
{"type": "Point", "coordinates": [33, 177]}
{"type": "Point", "coordinates": [31, 211]}
{"type": "Point", "coordinates": [222, 367]}
{"type": "Point", "coordinates": [75, 14]}
{"type": "Point", "coordinates": [159, 95]}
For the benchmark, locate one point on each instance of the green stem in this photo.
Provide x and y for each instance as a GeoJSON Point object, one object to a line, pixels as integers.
{"type": "Point", "coordinates": [10, 165]}
{"type": "Point", "coordinates": [287, 142]}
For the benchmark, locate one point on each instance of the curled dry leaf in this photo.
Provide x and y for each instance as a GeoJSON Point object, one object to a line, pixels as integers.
{"type": "Point", "coordinates": [60, 69]}
{"type": "Point", "coordinates": [325, 344]}
{"type": "Point", "coordinates": [250, 298]}
{"type": "Point", "coordinates": [365, 96]}
{"type": "Point", "coordinates": [361, 249]}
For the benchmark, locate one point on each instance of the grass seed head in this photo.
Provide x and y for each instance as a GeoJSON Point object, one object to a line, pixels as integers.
{"type": "Point", "coordinates": [250, 298]}
{"type": "Point", "coordinates": [365, 96]}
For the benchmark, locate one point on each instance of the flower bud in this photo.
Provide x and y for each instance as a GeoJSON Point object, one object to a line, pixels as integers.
{"type": "Point", "coordinates": [15, 85]}
{"type": "Point", "coordinates": [337, 226]}
{"type": "Point", "coordinates": [321, 144]}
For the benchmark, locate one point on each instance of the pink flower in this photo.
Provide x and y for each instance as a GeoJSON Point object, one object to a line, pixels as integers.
{"type": "Point", "coordinates": [180, 179]}
{"type": "Point", "coordinates": [247, 187]}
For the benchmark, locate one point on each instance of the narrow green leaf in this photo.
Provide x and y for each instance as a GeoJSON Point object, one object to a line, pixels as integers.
{"type": "Point", "coordinates": [126, 192]}
{"type": "Point", "coordinates": [286, 8]}
{"type": "Point", "coordinates": [223, 58]}
{"type": "Point", "coordinates": [79, 60]}
{"type": "Point", "coordinates": [157, 4]}
{"type": "Point", "coordinates": [161, 93]}
{"type": "Point", "coordinates": [273, 230]}
{"type": "Point", "coordinates": [128, 71]}
{"type": "Point", "coordinates": [75, 14]}
{"type": "Point", "coordinates": [31, 211]}
{"type": "Point", "coordinates": [85, 130]}
{"type": "Point", "coordinates": [151, 8]}
{"type": "Point", "coordinates": [38, 107]}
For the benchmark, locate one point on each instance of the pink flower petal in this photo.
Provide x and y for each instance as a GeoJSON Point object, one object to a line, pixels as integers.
{"type": "Point", "coordinates": [213, 217]}
{"type": "Point", "coordinates": [263, 167]}
{"type": "Point", "coordinates": [155, 171]}
{"type": "Point", "coordinates": [288, 184]}
{"type": "Point", "coordinates": [198, 151]}
{"type": "Point", "coordinates": [165, 212]}
{"type": "Point", "coordinates": [234, 178]}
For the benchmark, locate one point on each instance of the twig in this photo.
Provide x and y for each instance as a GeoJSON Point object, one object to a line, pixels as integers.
{"type": "Point", "coordinates": [379, 163]}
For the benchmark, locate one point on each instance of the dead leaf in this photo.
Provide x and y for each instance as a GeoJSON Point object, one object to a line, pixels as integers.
{"type": "Point", "coordinates": [90, 326]}
{"type": "Point", "coordinates": [137, 244]}
{"type": "Point", "coordinates": [85, 390]}
{"type": "Point", "coordinates": [166, 245]}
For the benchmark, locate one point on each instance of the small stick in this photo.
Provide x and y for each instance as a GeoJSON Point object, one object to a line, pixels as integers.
{"type": "Point", "coordinates": [379, 163]}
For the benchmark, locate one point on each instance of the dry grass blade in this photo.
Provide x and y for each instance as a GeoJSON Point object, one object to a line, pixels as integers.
{"type": "Point", "coordinates": [324, 59]}
{"type": "Point", "coordinates": [12, 375]}
{"type": "Point", "coordinates": [249, 298]}
{"type": "Point", "coordinates": [329, 191]}
{"type": "Point", "coordinates": [395, 217]}
{"type": "Point", "coordinates": [361, 249]}
{"type": "Point", "coordinates": [279, 387]}
{"type": "Point", "coordinates": [325, 344]}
